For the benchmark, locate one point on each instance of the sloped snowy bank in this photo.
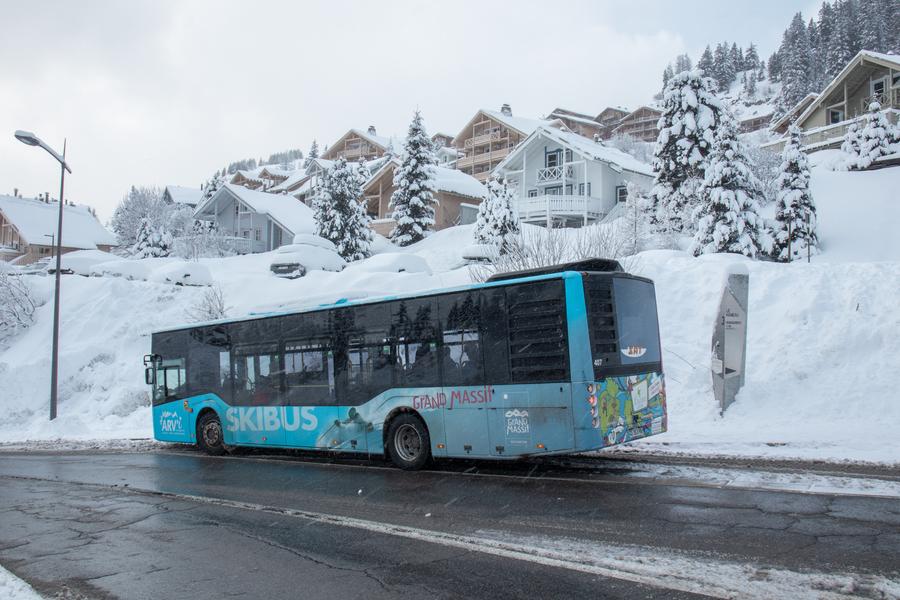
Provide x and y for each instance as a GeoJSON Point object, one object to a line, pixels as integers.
{"type": "Point", "coordinates": [823, 337]}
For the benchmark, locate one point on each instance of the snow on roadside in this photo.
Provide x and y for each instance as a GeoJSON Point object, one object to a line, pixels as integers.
{"type": "Point", "coordinates": [822, 347]}
{"type": "Point", "coordinates": [13, 588]}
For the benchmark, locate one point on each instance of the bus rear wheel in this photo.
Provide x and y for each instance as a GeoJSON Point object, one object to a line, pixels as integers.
{"type": "Point", "coordinates": [210, 438]}
{"type": "Point", "coordinates": [408, 442]}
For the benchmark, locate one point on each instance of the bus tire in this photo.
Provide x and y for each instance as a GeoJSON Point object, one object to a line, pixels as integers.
{"type": "Point", "coordinates": [408, 442]}
{"type": "Point", "coordinates": [210, 437]}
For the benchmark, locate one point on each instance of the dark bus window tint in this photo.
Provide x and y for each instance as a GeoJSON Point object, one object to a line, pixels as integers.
{"type": "Point", "coordinates": [538, 346]}
{"type": "Point", "coordinates": [461, 354]}
{"type": "Point", "coordinates": [206, 345]}
{"type": "Point", "coordinates": [637, 321]}
{"type": "Point", "coordinates": [414, 333]}
{"type": "Point", "coordinates": [366, 355]}
{"type": "Point", "coordinates": [494, 343]}
{"type": "Point", "coordinates": [309, 371]}
{"type": "Point", "coordinates": [257, 374]}
{"type": "Point", "coordinates": [171, 380]}
{"type": "Point", "coordinates": [225, 371]}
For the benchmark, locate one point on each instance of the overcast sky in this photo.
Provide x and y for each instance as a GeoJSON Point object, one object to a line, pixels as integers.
{"type": "Point", "coordinates": [157, 92]}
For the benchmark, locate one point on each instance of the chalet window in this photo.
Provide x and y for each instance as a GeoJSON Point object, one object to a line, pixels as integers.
{"type": "Point", "coordinates": [877, 88]}
{"type": "Point", "coordinates": [532, 193]}
{"type": "Point", "coordinates": [581, 189]}
{"type": "Point", "coordinates": [621, 193]}
{"type": "Point", "coordinates": [835, 115]}
{"type": "Point", "coordinates": [552, 159]}
{"type": "Point", "coordinates": [568, 156]}
{"type": "Point", "coordinates": [257, 234]}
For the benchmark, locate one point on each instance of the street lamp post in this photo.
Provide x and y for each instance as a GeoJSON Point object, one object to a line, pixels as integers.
{"type": "Point", "coordinates": [27, 137]}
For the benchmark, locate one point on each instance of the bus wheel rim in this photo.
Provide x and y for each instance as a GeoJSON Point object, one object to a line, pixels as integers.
{"type": "Point", "coordinates": [211, 433]}
{"type": "Point", "coordinates": [408, 442]}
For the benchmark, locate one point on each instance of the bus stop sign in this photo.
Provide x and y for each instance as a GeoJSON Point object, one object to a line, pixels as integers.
{"type": "Point", "coordinates": [729, 342]}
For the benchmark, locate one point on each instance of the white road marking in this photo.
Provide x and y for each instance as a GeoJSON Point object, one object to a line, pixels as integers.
{"type": "Point", "coordinates": [701, 573]}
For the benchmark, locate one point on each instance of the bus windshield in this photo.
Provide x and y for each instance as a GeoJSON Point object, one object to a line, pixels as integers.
{"type": "Point", "coordinates": [637, 323]}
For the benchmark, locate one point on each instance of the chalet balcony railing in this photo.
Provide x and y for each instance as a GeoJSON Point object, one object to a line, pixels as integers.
{"type": "Point", "coordinates": [482, 158]}
{"type": "Point", "coordinates": [887, 99]}
{"type": "Point", "coordinates": [829, 135]}
{"type": "Point", "coordinates": [554, 174]}
{"type": "Point", "coordinates": [540, 208]}
{"type": "Point", "coordinates": [478, 140]}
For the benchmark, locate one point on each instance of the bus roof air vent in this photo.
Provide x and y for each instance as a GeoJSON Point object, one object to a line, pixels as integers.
{"type": "Point", "coordinates": [591, 264]}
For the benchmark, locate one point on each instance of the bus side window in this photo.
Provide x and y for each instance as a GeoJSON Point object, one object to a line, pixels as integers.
{"type": "Point", "coordinates": [461, 352]}
{"type": "Point", "coordinates": [309, 371]}
{"type": "Point", "coordinates": [414, 332]}
{"type": "Point", "coordinates": [369, 354]}
{"type": "Point", "coordinates": [257, 375]}
{"type": "Point", "coordinates": [171, 378]}
{"type": "Point", "coordinates": [494, 342]}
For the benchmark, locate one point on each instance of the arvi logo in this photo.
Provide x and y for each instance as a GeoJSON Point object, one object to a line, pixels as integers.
{"type": "Point", "coordinates": [634, 351]}
{"type": "Point", "coordinates": [170, 422]}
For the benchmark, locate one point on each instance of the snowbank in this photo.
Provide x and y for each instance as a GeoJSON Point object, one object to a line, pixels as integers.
{"type": "Point", "coordinates": [822, 350]}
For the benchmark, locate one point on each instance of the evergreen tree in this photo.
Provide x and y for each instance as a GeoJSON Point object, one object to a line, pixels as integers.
{"type": "Point", "coordinates": [749, 84]}
{"type": "Point", "coordinates": [498, 222]}
{"type": "Point", "coordinates": [795, 69]}
{"type": "Point", "coordinates": [736, 56]}
{"type": "Point", "coordinates": [850, 145]}
{"type": "Point", "coordinates": [691, 116]}
{"type": "Point", "coordinates": [751, 58]}
{"type": "Point", "coordinates": [877, 138]}
{"type": "Point", "coordinates": [774, 67]}
{"type": "Point", "coordinates": [312, 154]}
{"type": "Point", "coordinates": [140, 203]}
{"type": "Point", "coordinates": [339, 212]}
{"type": "Point", "coordinates": [682, 63]}
{"type": "Point", "coordinates": [667, 75]}
{"type": "Point", "coordinates": [413, 201]}
{"type": "Point", "coordinates": [212, 186]}
{"type": "Point", "coordinates": [841, 47]}
{"type": "Point", "coordinates": [152, 241]}
{"type": "Point", "coordinates": [722, 68]}
{"type": "Point", "coordinates": [795, 213]}
{"type": "Point", "coordinates": [706, 63]}
{"type": "Point", "coordinates": [728, 215]}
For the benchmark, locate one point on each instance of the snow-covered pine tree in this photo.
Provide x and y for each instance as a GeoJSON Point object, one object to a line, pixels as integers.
{"type": "Point", "coordinates": [706, 64]}
{"type": "Point", "coordinates": [152, 241]}
{"type": "Point", "coordinates": [774, 67]}
{"type": "Point", "coordinates": [722, 67]}
{"type": "Point", "coordinates": [682, 63]}
{"type": "Point", "coordinates": [795, 69]}
{"type": "Point", "coordinates": [876, 137]}
{"type": "Point", "coordinates": [633, 226]}
{"type": "Point", "coordinates": [841, 47]}
{"type": "Point", "coordinates": [312, 154]}
{"type": "Point", "coordinates": [140, 203]}
{"type": "Point", "coordinates": [850, 145]}
{"type": "Point", "coordinates": [687, 131]}
{"type": "Point", "coordinates": [795, 212]}
{"type": "Point", "coordinates": [736, 55]}
{"type": "Point", "coordinates": [751, 58]}
{"type": "Point", "coordinates": [339, 212]}
{"type": "Point", "coordinates": [728, 215]}
{"type": "Point", "coordinates": [498, 222]}
{"type": "Point", "coordinates": [413, 201]}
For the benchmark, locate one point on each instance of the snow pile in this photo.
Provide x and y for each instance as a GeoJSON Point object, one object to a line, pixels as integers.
{"type": "Point", "coordinates": [822, 347]}
{"type": "Point", "coordinates": [13, 588]}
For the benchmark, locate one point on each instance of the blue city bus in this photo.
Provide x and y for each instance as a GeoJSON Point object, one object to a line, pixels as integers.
{"type": "Point", "coordinates": [548, 361]}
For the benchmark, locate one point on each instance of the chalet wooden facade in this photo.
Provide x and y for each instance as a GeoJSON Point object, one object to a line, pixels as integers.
{"type": "Point", "coordinates": [489, 137]}
{"type": "Point", "coordinates": [453, 189]}
{"type": "Point", "coordinates": [609, 119]}
{"type": "Point", "coordinates": [640, 124]}
{"type": "Point", "coordinates": [357, 144]}
{"type": "Point", "coordinates": [579, 123]}
{"type": "Point", "coordinates": [868, 77]}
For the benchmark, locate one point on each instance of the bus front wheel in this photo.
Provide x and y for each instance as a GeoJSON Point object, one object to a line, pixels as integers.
{"type": "Point", "coordinates": [408, 442]}
{"type": "Point", "coordinates": [210, 438]}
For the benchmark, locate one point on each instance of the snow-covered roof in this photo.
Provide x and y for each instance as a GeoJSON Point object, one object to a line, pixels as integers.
{"type": "Point", "coordinates": [276, 171]}
{"type": "Point", "coordinates": [456, 182]}
{"type": "Point", "coordinates": [378, 140]}
{"type": "Point", "coordinates": [35, 219]}
{"type": "Point", "coordinates": [564, 113]}
{"type": "Point", "coordinates": [251, 174]}
{"type": "Point", "coordinates": [521, 124]}
{"type": "Point", "coordinates": [184, 195]}
{"type": "Point", "coordinates": [451, 181]}
{"type": "Point", "coordinates": [293, 179]}
{"type": "Point", "coordinates": [810, 97]}
{"type": "Point", "coordinates": [894, 59]}
{"type": "Point", "coordinates": [583, 146]}
{"type": "Point", "coordinates": [287, 211]}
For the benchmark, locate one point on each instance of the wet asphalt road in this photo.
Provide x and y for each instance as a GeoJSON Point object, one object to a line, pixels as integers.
{"type": "Point", "coordinates": [169, 524]}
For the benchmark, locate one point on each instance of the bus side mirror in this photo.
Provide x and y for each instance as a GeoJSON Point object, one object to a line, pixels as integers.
{"type": "Point", "coordinates": [149, 376]}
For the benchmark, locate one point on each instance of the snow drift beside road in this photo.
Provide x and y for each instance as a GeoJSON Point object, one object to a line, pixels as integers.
{"type": "Point", "coordinates": [823, 338]}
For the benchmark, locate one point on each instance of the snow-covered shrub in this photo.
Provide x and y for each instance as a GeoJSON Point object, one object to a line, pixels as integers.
{"type": "Point", "coordinates": [728, 214]}
{"type": "Point", "coordinates": [210, 307]}
{"type": "Point", "coordinates": [152, 241]}
{"type": "Point", "coordinates": [339, 212]}
{"type": "Point", "coordinates": [498, 220]}
{"type": "Point", "coordinates": [139, 204]}
{"type": "Point", "coordinates": [17, 304]}
{"type": "Point", "coordinates": [202, 240]}
{"type": "Point", "coordinates": [766, 166]}
{"type": "Point", "coordinates": [876, 138]}
{"type": "Point", "coordinates": [687, 132]}
{"type": "Point", "coordinates": [850, 146]}
{"type": "Point", "coordinates": [634, 225]}
{"type": "Point", "coordinates": [413, 201]}
{"type": "Point", "coordinates": [641, 150]}
{"type": "Point", "coordinates": [795, 212]}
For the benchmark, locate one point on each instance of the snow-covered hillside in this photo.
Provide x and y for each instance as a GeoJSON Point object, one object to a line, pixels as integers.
{"type": "Point", "coordinates": [823, 338]}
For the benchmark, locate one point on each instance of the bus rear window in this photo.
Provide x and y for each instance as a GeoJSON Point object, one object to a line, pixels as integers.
{"type": "Point", "coordinates": [636, 320]}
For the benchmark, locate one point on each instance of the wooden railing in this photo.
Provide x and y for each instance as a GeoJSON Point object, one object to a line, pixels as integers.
{"type": "Point", "coordinates": [481, 158]}
{"type": "Point", "coordinates": [551, 174]}
{"type": "Point", "coordinates": [828, 135]}
{"type": "Point", "coordinates": [478, 140]}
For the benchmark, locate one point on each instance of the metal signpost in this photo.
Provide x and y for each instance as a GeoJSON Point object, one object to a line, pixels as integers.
{"type": "Point", "coordinates": [729, 342]}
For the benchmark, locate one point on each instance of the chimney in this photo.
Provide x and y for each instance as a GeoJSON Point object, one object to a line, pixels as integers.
{"type": "Point", "coordinates": [47, 196]}
{"type": "Point", "coordinates": [15, 192]}
{"type": "Point", "coordinates": [371, 130]}
{"type": "Point", "coordinates": [506, 110]}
